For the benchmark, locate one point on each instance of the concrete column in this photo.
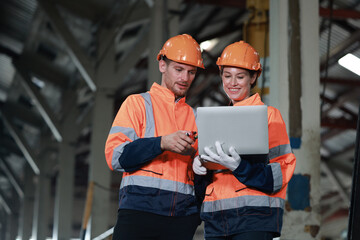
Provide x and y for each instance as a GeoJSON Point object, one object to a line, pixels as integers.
{"type": "Point", "coordinates": [42, 202]}
{"type": "Point", "coordinates": [157, 39]}
{"type": "Point", "coordinates": [164, 24]}
{"type": "Point", "coordinates": [173, 18]}
{"type": "Point", "coordinates": [278, 51]}
{"type": "Point", "coordinates": [27, 205]}
{"type": "Point", "coordinates": [3, 223]}
{"type": "Point", "coordinates": [12, 226]}
{"type": "Point", "coordinates": [64, 197]}
{"type": "Point", "coordinates": [99, 171]}
{"type": "Point", "coordinates": [301, 218]}
{"type": "Point", "coordinates": [102, 216]}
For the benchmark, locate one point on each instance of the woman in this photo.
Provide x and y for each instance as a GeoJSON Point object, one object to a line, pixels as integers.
{"type": "Point", "coordinates": [247, 200]}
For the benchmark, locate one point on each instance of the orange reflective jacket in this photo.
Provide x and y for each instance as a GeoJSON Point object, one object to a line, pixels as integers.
{"type": "Point", "coordinates": [163, 185]}
{"type": "Point", "coordinates": [242, 201]}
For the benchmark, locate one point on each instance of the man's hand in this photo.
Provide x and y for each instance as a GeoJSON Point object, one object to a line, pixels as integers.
{"type": "Point", "coordinates": [178, 142]}
{"type": "Point", "coordinates": [230, 162]}
{"type": "Point", "coordinates": [198, 168]}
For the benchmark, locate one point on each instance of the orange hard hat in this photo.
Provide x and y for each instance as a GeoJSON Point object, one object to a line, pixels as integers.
{"type": "Point", "coordinates": [240, 54]}
{"type": "Point", "coordinates": [183, 49]}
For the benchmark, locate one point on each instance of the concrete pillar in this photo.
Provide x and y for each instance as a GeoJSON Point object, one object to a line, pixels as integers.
{"type": "Point", "coordinates": [102, 217]}
{"type": "Point", "coordinates": [164, 24]}
{"type": "Point", "coordinates": [173, 18]}
{"type": "Point", "coordinates": [42, 202]}
{"type": "Point", "coordinates": [99, 171]}
{"type": "Point", "coordinates": [157, 39]}
{"type": "Point", "coordinates": [64, 197]}
{"type": "Point", "coordinates": [27, 205]}
{"type": "Point", "coordinates": [301, 218]}
{"type": "Point", "coordinates": [12, 226]}
{"type": "Point", "coordinates": [3, 223]}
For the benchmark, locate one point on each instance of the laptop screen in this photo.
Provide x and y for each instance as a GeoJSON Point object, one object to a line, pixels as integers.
{"type": "Point", "coordinates": [243, 127]}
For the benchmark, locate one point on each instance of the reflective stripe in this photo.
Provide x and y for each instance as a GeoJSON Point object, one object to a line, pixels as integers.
{"type": "Point", "coordinates": [150, 122]}
{"type": "Point", "coordinates": [163, 184]}
{"type": "Point", "coordinates": [277, 176]}
{"type": "Point", "coordinates": [279, 151]}
{"type": "Point", "coordinates": [275, 167]}
{"type": "Point", "coordinates": [116, 155]}
{"type": "Point", "coordinates": [129, 132]}
{"type": "Point", "coordinates": [243, 201]}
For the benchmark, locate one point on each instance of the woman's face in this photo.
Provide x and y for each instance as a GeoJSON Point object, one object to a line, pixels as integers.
{"type": "Point", "coordinates": [237, 83]}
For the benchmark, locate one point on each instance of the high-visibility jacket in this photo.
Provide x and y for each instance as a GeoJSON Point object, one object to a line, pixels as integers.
{"type": "Point", "coordinates": [153, 180]}
{"type": "Point", "coordinates": [252, 197]}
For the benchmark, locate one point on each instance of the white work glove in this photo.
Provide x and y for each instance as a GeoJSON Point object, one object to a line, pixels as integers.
{"type": "Point", "coordinates": [197, 167]}
{"type": "Point", "coordinates": [231, 162]}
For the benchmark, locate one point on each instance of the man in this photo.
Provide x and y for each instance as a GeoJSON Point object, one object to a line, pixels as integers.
{"type": "Point", "coordinates": [150, 141]}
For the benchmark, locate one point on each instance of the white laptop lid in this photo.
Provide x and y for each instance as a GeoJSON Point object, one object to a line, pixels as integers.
{"type": "Point", "coordinates": [243, 127]}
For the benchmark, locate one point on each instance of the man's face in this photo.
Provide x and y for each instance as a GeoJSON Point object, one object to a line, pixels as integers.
{"type": "Point", "coordinates": [177, 76]}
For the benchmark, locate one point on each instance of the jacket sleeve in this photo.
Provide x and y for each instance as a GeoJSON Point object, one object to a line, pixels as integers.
{"type": "Point", "coordinates": [139, 152]}
{"type": "Point", "coordinates": [124, 149]}
{"type": "Point", "coordinates": [270, 177]}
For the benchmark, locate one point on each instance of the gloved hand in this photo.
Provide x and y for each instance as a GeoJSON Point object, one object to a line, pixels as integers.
{"type": "Point", "coordinates": [197, 166]}
{"type": "Point", "coordinates": [230, 162]}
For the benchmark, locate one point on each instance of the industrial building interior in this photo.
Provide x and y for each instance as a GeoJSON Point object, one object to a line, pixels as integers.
{"type": "Point", "coordinates": [66, 67]}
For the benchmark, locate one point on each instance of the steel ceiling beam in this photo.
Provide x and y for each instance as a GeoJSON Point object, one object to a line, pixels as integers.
{"type": "Point", "coordinates": [344, 154]}
{"type": "Point", "coordinates": [339, 13]}
{"type": "Point", "coordinates": [92, 10]}
{"type": "Point", "coordinates": [131, 59]}
{"type": "Point", "coordinates": [11, 177]}
{"type": "Point", "coordinates": [134, 13]}
{"type": "Point", "coordinates": [339, 165]}
{"type": "Point", "coordinates": [39, 101]}
{"type": "Point", "coordinates": [341, 81]}
{"type": "Point", "coordinates": [23, 113]}
{"type": "Point", "coordinates": [9, 146]}
{"type": "Point", "coordinates": [43, 69]}
{"type": "Point", "coordinates": [81, 61]}
{"type": "Point", "coordinates": [229, 28]}
{"type": "Point", "coordinates": [339, 50]}
{"type": "Point", "coordinates": [341, 123]}
{"type": "Point", "coordinates": [336, 181]}
{"type": "Point", "coordinates": [342, 108]}
{"type": "Point", "coordinates": [21, 142]}
{"type": "Point", "coordinates": [5, 205]}
{"type": "Point", "coordinates": [341, 99]}
{"type": "Point", "coordinates": [331, 133]}
{"type": "Point", "coordinates": [222, 3]}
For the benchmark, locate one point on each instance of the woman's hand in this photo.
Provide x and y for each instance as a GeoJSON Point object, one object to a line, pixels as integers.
{"type": "Point", "coordinates": [231, 162]}
{"type": "Point", "coordinates": [198, 168]}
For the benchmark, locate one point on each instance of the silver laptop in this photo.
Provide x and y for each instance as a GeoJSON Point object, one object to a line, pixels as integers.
{"type": "Point", "coordinates": [243, 127]}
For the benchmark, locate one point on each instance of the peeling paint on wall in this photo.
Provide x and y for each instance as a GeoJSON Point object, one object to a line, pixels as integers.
{"type": "Point", "coordinates": [299, 193]}
{"type": "Point", "coordinates": [312, 229]}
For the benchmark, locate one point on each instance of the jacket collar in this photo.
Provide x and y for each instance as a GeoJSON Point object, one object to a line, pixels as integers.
{"type": "Point", "coordinates": [252, 100]}
{"type": "Point", "coordinates": [164, 93]}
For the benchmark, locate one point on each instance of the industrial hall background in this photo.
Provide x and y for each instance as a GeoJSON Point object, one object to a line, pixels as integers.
{"type": "Point", "coordinates": [66, 67]}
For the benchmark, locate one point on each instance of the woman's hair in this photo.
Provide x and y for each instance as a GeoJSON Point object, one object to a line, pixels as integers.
{"type": "Point", "coordinates": [251, 73]}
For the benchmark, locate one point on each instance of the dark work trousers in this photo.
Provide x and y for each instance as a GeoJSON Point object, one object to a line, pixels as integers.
{"type": "Point", "coordinates": [246, 236]}
{"type": "Point", "coordinates": [138, 225]}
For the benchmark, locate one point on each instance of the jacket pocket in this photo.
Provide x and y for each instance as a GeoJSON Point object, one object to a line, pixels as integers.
{"type": "Point", "coordinates": [240, 187]}
{"type": "Point", "coordinates": [155, 167]}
